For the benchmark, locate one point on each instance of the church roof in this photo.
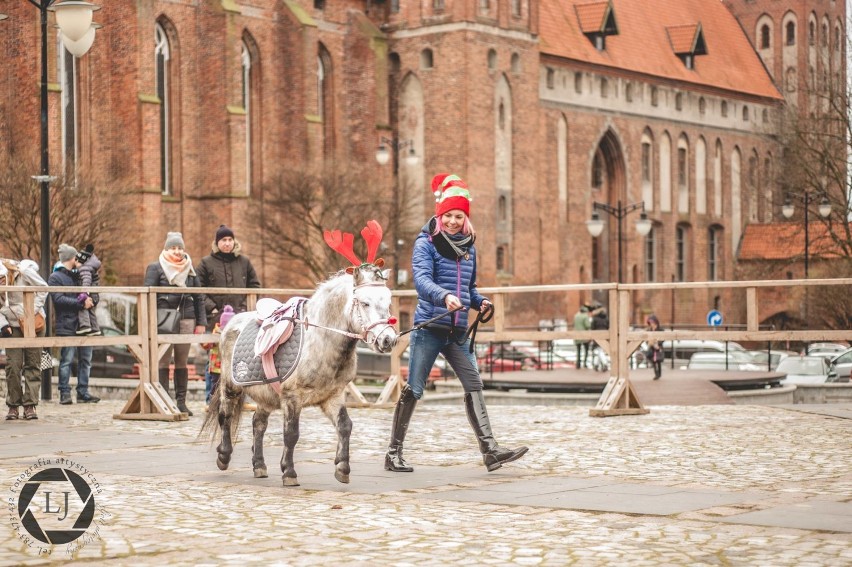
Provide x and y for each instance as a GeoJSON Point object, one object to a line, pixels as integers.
{"type": "Point", "coordinates": [651, 34]}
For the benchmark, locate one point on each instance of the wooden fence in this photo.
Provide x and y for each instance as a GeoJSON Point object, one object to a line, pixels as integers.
{"type": "Point", "coordinates": [150, 401]}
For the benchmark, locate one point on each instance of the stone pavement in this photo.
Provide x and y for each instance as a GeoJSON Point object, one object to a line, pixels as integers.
{"type": "Point", "coordinates": [695, 485]}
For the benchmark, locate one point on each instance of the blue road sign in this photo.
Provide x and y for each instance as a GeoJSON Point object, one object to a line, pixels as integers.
{"type": "Point", "coordinates": [714, 318]}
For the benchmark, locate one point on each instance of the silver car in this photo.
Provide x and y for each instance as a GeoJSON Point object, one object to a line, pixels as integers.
{"type": "Point", "coordinates": [804, 370]}
{"type": "Point", "coordinates": [840, 366]}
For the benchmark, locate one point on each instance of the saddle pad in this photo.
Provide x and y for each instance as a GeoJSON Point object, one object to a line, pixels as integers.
{"type": "Point", "coordinates": [247, 369]}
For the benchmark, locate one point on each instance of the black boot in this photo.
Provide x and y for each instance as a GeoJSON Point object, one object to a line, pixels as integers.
{"type": "Point", "coordinates": [164, 378]}
{"type": "Point", "coordinates": [181, 385]}
{"type": "Point", "coordinates": [492, 454]}
{"type": "Point", "coordinates": [401, 416]}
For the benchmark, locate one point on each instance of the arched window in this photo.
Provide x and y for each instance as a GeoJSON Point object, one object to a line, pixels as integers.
{"type": "Point", "coordinates": [717, 179]}
{"type": "Point", "coordinates": [516, 63]}
{"type": "Point", "coordinates": [790, 80]}
{"type": "Point", "coordinates": [67, 71]}
{"type": "Point", "coordinates": [578, 83]}
{"type": "Point", "coordinates": [492, 59]}
{"type": "Point", "coordinates": [162, 55]}
{"type": "Point", "coordinates": [745, 113]}
{"type": "Point", "coordinates": [702, 105]}
{"type": "Point", "coordinates": [724, 109]}
{"type": "Point", "coordinates": [648, 169]}
{"type": "Point", "coordinates": [665, 172]}
{"type": "Point", "coordinates": [501, 208]}
{"type": "Point", "coordinates": [516, 8]}
{"type": "Point", "coordinates": [551, 78]}
{"type": "Point", "coordinates": [628, 92]}
{"type": "Point", "coordinates": [764, 36]}
{"type": "Point", "coordinates": [604, 87]}
{"type": "Point", "coordinates": [682, 245]}
{"type": "Point", "coordinates": [426, 59]}
{"type": "Point", "coordinates": [791, 33]}
{"type": "Point", "coordinates": [651, 255]}
{"type": "Point", "coordinates": [683, 174]}
{"type": "Point", "coordinates": [679, 101]}
{"type": "Point", "coordinates": [654, 97]}
{"type": "Point", "coordinates": [701, 176]}
{"type": "Point", "coordinates": [811, 32]}
{"type": "Point", "coordinates": [714, 253]}
{"type": "Point", "coordinates": [325, 98]}
{"type": "Point", "coordinates": [247, 87]}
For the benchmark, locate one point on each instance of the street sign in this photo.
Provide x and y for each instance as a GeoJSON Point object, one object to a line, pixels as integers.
{"type": "Point", "coordinates": [714, 318]}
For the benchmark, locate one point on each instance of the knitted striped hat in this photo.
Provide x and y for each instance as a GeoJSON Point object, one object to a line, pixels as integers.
{"type": "Point", "coordinates": [450, 193]}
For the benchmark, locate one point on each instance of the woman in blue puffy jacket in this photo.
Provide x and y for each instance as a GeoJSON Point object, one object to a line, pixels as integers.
{"type": "Point", "coordinates": [444, 266]}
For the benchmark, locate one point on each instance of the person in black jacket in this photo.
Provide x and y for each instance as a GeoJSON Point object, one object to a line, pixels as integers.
{"type": "Point", "coordinates": [68, 307]}
{"type": "Point", "coordinates": [174, 269]}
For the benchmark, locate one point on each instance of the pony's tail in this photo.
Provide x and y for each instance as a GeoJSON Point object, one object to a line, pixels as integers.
{"type": "Point", "coordinates": [211, 429]}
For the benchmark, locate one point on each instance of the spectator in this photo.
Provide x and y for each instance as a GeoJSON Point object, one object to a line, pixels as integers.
{"type": "Point", "coordinates": [88, 266]}
{"type": "Point", "coordinates": [226, 266]}
{"type": "Point", "coordinates": [174, 269]}
{"type": "Point", "coordinates": [654, 352]}
{"type": "Point", "coordinates": [582, 322]}
{"type": "Point", "coordinates": [214, 362]}
{"type": "Point", "coordinates": [21, 362]}
{"type": "Point", "coordinates": [68, 308]}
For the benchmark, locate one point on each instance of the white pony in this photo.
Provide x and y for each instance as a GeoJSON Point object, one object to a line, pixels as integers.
{"type": "Point", "coordinates": [351, 306]}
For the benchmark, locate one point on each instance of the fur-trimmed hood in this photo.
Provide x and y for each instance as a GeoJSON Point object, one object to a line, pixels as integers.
{"type": "Point", "coordinates": [238, 249]}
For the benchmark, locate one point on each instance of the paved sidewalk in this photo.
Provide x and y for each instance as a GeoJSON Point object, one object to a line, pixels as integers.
{"type": "Point", "coordinates": [696, 485]}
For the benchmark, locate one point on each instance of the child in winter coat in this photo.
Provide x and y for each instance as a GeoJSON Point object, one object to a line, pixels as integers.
{"type": "Point", "coordinates": [87, 271]}
{"type": "Point", "coordinates": [214, 361]}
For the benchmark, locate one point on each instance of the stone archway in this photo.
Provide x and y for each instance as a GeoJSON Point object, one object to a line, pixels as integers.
{"type": "Point", "coordinates": [609, 185]}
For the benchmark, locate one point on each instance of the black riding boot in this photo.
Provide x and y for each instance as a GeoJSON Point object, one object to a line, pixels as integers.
{"type": "Point", "coordinates": [164, 379]}
{"type": "Point", "coordinates": [492, 454]}
{"type": "Point", "coordinates": [401, 416]}
{"type": "Point", "coordinates": [181, 385]}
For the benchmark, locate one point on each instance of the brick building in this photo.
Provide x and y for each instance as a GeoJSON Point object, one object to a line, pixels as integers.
{"type": "Point", "coordinates": [543, 106]}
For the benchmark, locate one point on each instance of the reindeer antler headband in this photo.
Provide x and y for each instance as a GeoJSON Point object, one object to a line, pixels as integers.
{"type": "Point", "coordinates": [343, 243]}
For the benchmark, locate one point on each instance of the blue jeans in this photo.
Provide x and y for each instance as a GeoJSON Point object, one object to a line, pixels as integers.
{"type": "Point", "coordinates": [84, 368]}
{"type": "Point", "coordinates": [425, 346]}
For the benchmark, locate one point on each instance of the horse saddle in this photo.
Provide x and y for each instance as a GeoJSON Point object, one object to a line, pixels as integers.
{"type": "Point", "coordinates": [268, 349]}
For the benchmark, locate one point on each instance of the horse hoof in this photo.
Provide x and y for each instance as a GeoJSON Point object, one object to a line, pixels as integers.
{"type": "Point", "coordinates": [290, 481]}
{"type": "Point", "coordinates": [260, 473]}
{"type": "Point", "coordinates": [223, 466]}
{"type": "Point", "coordinates": [344, 478]}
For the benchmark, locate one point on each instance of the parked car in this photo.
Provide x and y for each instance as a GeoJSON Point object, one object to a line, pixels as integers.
{"type": "Point", "coordinates": [825, 350]}
{"type": "Point", "coordinates": [112, 361]}
{"type": "Point", "coordinates": [840, 366]}
{"type": "Point", "coordinates": [377, 364]}
{"type": "Point", "coordinates": [804, 370]}
{"type": "Point", "coordinates": [735, 360]}
{"type": "Point", "coordinates": [769, 359]}
{"type": "Point", "coordinates": [681, 351]}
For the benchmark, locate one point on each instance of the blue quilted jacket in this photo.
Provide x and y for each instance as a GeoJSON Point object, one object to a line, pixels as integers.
{"type": "Point", "coordinates": [435, 277]}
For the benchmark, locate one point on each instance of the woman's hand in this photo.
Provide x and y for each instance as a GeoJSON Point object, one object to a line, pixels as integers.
{"type": "Point", "coordinates": [199, 329]}
{"type": "Point", "coordinates": [452, 302]}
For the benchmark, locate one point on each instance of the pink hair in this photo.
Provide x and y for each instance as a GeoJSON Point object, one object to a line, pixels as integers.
{"type": "Point", "coordinates": [467, 227]}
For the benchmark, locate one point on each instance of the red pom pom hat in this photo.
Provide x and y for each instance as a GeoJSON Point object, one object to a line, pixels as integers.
{"type": "Point", "coordinates": [450, 193]}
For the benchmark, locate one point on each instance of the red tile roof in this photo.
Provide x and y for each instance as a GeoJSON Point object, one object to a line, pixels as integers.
{"type": "Point", "coordinates": [643, 45]}
{"type": "Point", "coordinates": [682, 38]}
{"type": "Point", "coordinates": [786, 241]}
{"type": "Point", "coordinates": [591, 15]}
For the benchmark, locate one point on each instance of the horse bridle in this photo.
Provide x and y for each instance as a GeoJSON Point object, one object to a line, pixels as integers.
{"type": "Point", "coordinates": [358, 310]}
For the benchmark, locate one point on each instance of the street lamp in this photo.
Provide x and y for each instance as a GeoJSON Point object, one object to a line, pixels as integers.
{"type": "Point", "coordinates": [788, 210]}
{"type": "Point", "coordinates": [383, 156]}
{"type": "Point", "coordinates": [595, 225]}
{"type": "Point", "coordinates": [74, 19]}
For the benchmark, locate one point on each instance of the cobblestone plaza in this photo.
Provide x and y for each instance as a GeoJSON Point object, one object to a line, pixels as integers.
{"type": "Point", "coordinates": [697, 485]}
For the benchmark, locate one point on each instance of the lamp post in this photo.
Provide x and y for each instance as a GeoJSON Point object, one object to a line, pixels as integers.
{"type": "Point", "coordinates": [824, 211]}
{"type": "Point", "coordinates": [596, 224]}
{"type": "Point", "coordinates": [388, 146]}
{"type": "Point", "coordinates": [74, 19]}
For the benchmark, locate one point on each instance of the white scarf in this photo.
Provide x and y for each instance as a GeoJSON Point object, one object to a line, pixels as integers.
{"type": "Point", "coordinates": [176, 272]}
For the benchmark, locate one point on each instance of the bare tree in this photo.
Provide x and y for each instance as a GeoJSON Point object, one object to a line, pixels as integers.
{"type": "Point", "coordinates": [81, 212]}
{"type": "Point", "coordinates": [299, 205]}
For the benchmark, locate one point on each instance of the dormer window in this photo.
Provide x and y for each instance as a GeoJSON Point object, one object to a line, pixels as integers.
{"type": "Point", "coordinates": [597, 21]}
{"type": "Point", "coordinates": [687, 42]}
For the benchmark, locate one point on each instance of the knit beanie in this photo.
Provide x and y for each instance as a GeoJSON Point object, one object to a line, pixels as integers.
{"type": "Point", "coordinates": [450, 193]}
{"type": "Point", "coordinates": [227, 313]}
{"type": "Point", "coordinates": [222, 232]}
{"type": "Point", "coordinates": [66, 252]}
{"type": "Point", "coordinates": [173, 239]}
{"type": "Point", "coordinates": [85, 254]}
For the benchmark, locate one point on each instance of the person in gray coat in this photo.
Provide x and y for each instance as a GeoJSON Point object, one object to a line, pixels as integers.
{"type": "Point", "coordinates": [174, 269]}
